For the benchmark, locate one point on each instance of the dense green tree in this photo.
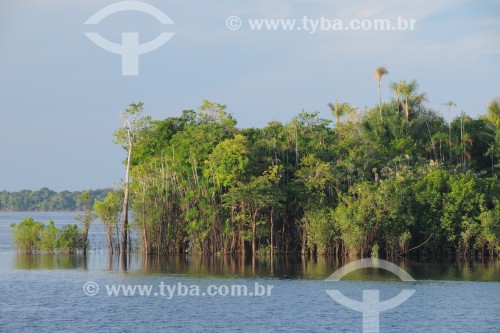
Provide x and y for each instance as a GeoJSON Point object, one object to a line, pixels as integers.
{"type": "Point", "coordinates": [27, 236]}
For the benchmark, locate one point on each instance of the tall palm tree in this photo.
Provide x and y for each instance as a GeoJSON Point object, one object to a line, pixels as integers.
{"type": "Point", "coordinates": [338, 110]}
{"type": "Point", "coordinates": [408, 91]}
{"type": "Point", "coordinates": [379, 72]}
{"type": "Point", "coordinates": [450, 104]}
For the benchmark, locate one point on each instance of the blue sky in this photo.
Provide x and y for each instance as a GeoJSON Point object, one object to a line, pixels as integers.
{"type": "Point", "coordinates": [61, 94]}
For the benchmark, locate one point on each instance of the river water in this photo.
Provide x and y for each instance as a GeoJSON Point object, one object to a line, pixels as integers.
{"type": "Point", "coordinates": [71, 293]}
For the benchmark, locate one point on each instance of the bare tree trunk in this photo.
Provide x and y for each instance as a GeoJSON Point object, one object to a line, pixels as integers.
{"type": "Point", "coordinates": [379, 101]}
{"type": "Point", "coordinates": [123, 245]}
{"type": "Point", "coordinates": [123, 260]}
{"type": "Point", "coordinates": [296, 147]}
{"type": "Point", "coordinates": [254, 228]}
{"type": "Point", "coordinates": [449, 144]}
{"type": "Point", "coordinates": [85, 239]}
{"type": "Point", "coordinates": [407, 110]}
{"type": "Point", "coordinates": [304, 242]}
{"type": "Point", "coordinates": [109, 233]}
{"type": "Point", "coordinates": [145, 232]}
{"type": "Point", "coordinates": [272, 234]}
{"type": "Point", "coordinates": [242, 245]}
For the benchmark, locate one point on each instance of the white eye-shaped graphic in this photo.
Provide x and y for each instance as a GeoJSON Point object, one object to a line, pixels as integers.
{"type": "Point", "coordinates": [130, 49]}
{"type": "Point", "coordinates": [371, 306]}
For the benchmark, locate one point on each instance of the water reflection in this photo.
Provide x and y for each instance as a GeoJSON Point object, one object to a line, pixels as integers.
{"type": "Point", "coordinates": [239, 266]}
{"type": "Point", "coordinates": [27, 261]}
{"type": "Point", "coordinates": [282, 267]}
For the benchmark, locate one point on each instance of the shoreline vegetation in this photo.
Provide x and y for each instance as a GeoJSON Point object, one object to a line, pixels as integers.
{"type": "Point", "coordinates": [46, 200]}
{"type": "Point", "coordinates": [395, 179]}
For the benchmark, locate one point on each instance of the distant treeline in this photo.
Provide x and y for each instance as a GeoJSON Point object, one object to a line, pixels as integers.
{"type": "Point", "coordinates": [45, 200]}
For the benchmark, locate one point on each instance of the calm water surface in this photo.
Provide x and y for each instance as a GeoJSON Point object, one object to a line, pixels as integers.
{"type": "Point", "coordinates": [44, 293]}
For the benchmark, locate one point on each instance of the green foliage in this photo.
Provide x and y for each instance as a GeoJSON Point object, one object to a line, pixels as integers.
{"type": "Point", "coordinates": [49, 238]}
{"type": "Point", "coordinates": [390, 178]}
{"type": "Point", "coordinates": [70, 239]}
{"type": "Point", "coordinates": [88, 215]}
{"type": "Point", "coordinates": [228, 161]}
{"type": "Point", "coordinates": [108, 212]}
{"type": "Point", "coordinates": [375, 250]}
{"type": "Point", "coordinates": [26, 235]}
{"type": "Point", "coordinates": [490, 228]}
{"type": "Point", "coordinates": [314, 174]}
{"type": "Point", "coordinates": [462, 206]}
{"type": "Point", "coordinates": [30, 236]}
{"type": "Point", "coordinates": [322, 232]}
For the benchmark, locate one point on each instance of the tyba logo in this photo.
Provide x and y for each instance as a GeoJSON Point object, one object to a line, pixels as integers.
{"type": "Point", "coordinates": [130, 49]}
{"type": "Point", "coordinates": [371, 306]}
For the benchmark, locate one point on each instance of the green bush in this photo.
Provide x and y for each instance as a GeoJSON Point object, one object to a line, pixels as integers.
{"type": "Point", "coordinates": [30, 236]}
{"type": "Point", "coordinates": [26, 235]}
{"type": "Point", "coordinates": [70, 239]}
{"type": "Point", "coordinates": [48, 236]}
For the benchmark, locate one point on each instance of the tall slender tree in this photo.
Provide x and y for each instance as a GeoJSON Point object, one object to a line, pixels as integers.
{"type": "Point", "coordinates": [449, 104]}
{"type": "Point", "coordinates": [379, 72]}
{"type": "Point", "coordinates": [132, 124]}
{"type": "Point", "coordinates": [408, 90]}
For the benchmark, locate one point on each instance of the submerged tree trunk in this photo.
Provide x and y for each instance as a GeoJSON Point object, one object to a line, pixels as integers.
{"type": "Point", "coordinates": [304, 242]}
{"type": "Point", "coordinates": [109, 240]}
{"type": "Point", "coordinates": [123, 245]}
{"type": "Point", "coordinates": [242, 245]}
{"type": "Point", "coordinates": [254, 229]}
{"type": "Point", "coordinates": [272, 234]}
{"type": "Point", "coordinates": [85, 239]}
